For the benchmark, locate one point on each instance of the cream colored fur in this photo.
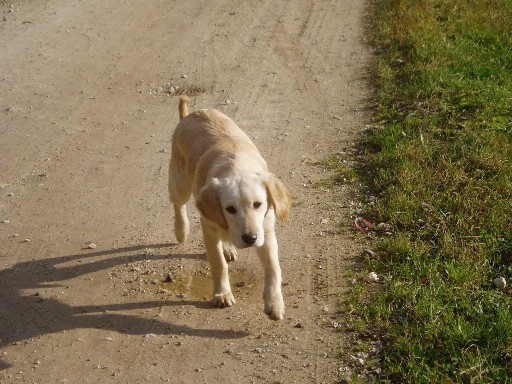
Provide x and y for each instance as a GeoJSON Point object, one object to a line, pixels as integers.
{"type": "Point", "coordinates": [238, 198]}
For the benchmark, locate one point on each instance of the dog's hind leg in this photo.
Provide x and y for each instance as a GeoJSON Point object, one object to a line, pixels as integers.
{"type": "Point", "coordinates": [179, 193]}
{"type": "Point", "coordinates": [181, 224]}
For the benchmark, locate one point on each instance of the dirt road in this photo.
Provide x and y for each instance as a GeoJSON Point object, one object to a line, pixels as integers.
{"type": "Point", "coordinates": [94, 288]}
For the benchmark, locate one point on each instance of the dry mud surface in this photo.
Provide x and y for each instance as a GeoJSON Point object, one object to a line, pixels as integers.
{"type": "Point", "coordinates": [94, 287]}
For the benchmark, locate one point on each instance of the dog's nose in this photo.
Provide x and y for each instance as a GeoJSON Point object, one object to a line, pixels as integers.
{"type": "Point", "coordinates": [249, 238]}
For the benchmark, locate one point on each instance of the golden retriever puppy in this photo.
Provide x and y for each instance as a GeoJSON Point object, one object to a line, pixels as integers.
{"type": "Point", "coordinates": [238, 198]}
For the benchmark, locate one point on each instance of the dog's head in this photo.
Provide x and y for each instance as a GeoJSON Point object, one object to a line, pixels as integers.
{"type": "Point", "coordinates": [240, 204]}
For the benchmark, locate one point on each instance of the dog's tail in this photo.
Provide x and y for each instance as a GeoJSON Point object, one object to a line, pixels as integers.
{"type": "Point", "coordinates": [182, 107]}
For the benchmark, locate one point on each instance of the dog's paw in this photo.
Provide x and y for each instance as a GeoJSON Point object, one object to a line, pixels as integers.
{"type": "Point", "coordinates": [181, 230]}
{"type": "Point", "coordinates": [223, 300]}
{"type": "Point", "coordinates": [230, 253]}
{"type": "Point", "coordinates": [274, 308]}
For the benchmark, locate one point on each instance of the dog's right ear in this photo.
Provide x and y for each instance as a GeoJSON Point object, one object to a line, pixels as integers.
{"type": "Point", "coordinates": [208, 203]}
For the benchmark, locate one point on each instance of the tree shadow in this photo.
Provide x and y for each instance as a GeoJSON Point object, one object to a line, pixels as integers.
{"type": "Point", "coordinates": [23, 317]}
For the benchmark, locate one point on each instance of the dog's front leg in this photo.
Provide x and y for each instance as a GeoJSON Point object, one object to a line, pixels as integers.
{"type": "Point", "coordinates": [272, 296]}
{"type": "Point", "coordinates": [222, 295]}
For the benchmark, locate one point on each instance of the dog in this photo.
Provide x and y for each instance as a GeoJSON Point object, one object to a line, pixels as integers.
{"type": "Point", "coordinates": [237, 197]}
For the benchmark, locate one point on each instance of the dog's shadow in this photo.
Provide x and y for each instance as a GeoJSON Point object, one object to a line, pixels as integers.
{"type": "Point", "coordinates": [25, 316]}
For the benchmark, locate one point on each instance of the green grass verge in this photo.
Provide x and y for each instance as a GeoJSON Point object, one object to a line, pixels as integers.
{"type": "Point", "coordinates": [440, 161]}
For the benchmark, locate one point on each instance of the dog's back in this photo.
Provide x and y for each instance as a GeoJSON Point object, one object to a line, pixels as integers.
{"type": "Point", "coordinates": [206, 138]}
{"type": "Point", "coordinates": [208, 123]}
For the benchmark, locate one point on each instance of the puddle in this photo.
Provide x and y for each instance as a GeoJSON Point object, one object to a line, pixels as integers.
{"type": "Point", "coordinates": [200, 285]}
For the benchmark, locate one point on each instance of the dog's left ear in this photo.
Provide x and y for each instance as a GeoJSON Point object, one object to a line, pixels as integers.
{"type": "Point", "coordinates": [208, 203]}
{"type": "Point", "coordinates": [278, 196]}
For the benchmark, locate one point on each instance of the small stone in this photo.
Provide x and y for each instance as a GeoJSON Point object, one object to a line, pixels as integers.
{"type": "Point", "coordinates": [500, 282]}
{"type": "Point", "coordinates": [26, 241]}
{"type": "Point", "coordinates": [169, 278]}
{"type": "Point", "coordinates": [298, 326]}
{"type": "Point", "coordinates": [369, 252]}
{"type": "Point", "coordinates": [371, 278]}
{"type": "Point", "coordinates": [91, 246]}
{"type": "Point", "coordinates": [384, 227]}
{"type": "Point", "coordinates": [377, 347]}
{"type": "Point", "coordinates": [359, 362]}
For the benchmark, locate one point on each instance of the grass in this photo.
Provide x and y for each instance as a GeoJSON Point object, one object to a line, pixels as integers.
{"type": "Point", "coordinates": [342, 171]}
{"type": "Point", "coordinates": [440, 161]}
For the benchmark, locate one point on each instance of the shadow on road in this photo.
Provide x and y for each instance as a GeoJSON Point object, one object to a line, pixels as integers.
{"type": "Point", "coordinates": [24, 316]}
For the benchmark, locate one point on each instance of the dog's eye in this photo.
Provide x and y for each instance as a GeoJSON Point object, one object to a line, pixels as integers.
{"type": "Point", "coordinates": [231, 210]}
{"type": "Point", "coordinates": [256, 205]}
